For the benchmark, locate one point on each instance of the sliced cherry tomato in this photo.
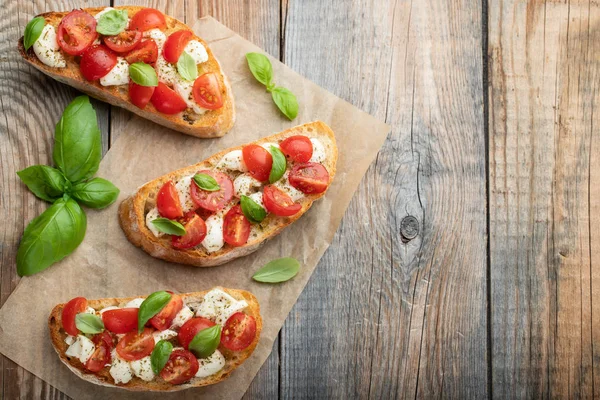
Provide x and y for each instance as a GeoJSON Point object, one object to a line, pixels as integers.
{"type": "Point", "coordinates": [140, 95]}
{"type": "Point", "coordinates": [124, 41]}
{"type": "Point", "coordinates": [166, 100]}
{"type": "Point", "coordinates": [181, 367]}
{"type": "Point", "coordinates": [278, 202]}
{"type": "Point", "coordinates": [167, 201]}
{"type": "Point", "coordinates": [71, 309]}
{"type": "Point", "coordinates": [258, 160]}
{"type": "Point", "coordinates": [148, 18]}
{"type": "Point", "coordinates": [191, 328]}
{"type": "Point", "coordinates": [236, 227]}
{"type": "Point", "coordinates": [213, 201]}
{"type": "Point", "coordinates": [175, 44]}
{"type": "Point", "coordinates": [207, 91]}
{"type": "Point", "coordinates": [299, 148]}
{"type": "Point", "coordinates": [146, 52]}
{"type": "Point", "coordinates": [99, 358]}
{"type": "Point", "coordinates": [165, 317]}
{"type": "Point", "coordinates": [195, 232]}
{"type": "Point", "coordinates": [104, 338]}
{"type": "Point", "coordinates": [135, 346]}
{"type": "Point", "coordinates": [121, 320]}
{"type": "Point", "coordinates": [76, 32]}
{"type": "Point", "coordinates": [239, 331]}
{"type": "Point", "coordinates": [96, 62]}
{"type": "Point", "coordinates": [309, 178]}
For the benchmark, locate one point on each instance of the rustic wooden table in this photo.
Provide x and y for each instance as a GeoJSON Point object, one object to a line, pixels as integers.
{"type": "Point", "coordinates": [488, 291]}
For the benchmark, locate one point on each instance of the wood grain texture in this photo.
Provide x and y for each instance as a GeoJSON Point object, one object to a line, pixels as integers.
{"type": "Point", "coordinates": [544, 198]}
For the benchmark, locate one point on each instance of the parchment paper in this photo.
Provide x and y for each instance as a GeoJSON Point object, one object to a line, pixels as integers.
{"type": "Point", "coordinates": [107, 265]}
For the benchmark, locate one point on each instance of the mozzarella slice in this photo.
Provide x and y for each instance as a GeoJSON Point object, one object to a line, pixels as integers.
{"type": "Point", "coordinates": [185, 197]}
{"type": "Point", "coordinates": [151, 216]}
{"type": "Point", "coordinates": [258, 198]}
{"type": "Point", "coordinates": [195, 49]}
{"type": "Point", "coordinates": [167, 72]}
{"type": "Point", "coordinates": [318, 154]}
{"type": "Point", "coordinates": [135, 303]}
{"type": "Point", "coordinates": [120, 369]}
{"type": "Point", "coordinates": [47, 50]}
{"type": "Point", "coordinates": [167, 334]}
{"type": "Point", "coordinates": [82, 348]}
{"type": "Point", "coordinates": [108, 309]}
{"type": "Point", "coordinates": [118, 75]}
{"type": "Point", "coordinates": [218, 306]}
{"type": "Point", "coordinates": [184, 89]}
{"type": "Point", "coordinates": [159, 37]}
{"type": "Point", "coordinates": [90, 310]}
{"type": "Point", "coordinates": [233, 161]}
{"type": "Point", "coordinates": [245, 185]}
{"type": "Point", "coordinates": [70, 340]}
{"type": "Point", "coordinates": [284, 185]}
{"type": "Point", "coordinates": [214, 233]}
{"type": "Point", "coordinates": [143, 368]}
{"type": "Point", "coordinates": [210, 365]}
{"type": "Point", "coordinates": [183, 316]}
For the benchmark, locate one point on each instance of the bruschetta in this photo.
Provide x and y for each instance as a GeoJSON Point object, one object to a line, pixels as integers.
{"type": "Point", "coordinates": [136, 58]}
{"type": "Point", "coordinates": [162, 342]}
{"type": "Point", "coordinates": [228, 205]}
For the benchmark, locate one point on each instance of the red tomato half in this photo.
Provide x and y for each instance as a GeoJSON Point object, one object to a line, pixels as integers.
{"type": "Point", "coordinates": [191, 328]}
{"type": "Point", "coordinates": [309, 178]}
{"type": "Point", "coordinates": [236, 227]}
{"type": "Point", "coordinates": [71, 309]}
{"type": "Point", "coordinates": [175, 44]}
{"type": "Point", "coordinates": [181, 367]}
{"type": "Point", "coordinates": [104, 338]}
{"type": "Point", "coordinates": [166, 100]}
{"type": "Point", "coordinates": [99, 358]}
{"type": "Point", "coordinates": [278, 202]}
{"type": "Point", "coordinates": [165, 317]}
{"type": "Point", "coordinates": [213, 201]}
{"type": "Point", "coordinates": [195, 232]}
{"type": "Point", "coordinates": [299, 148]}
{"type": "Point", "coordinates": [167, 202]}
{"type": "Point", "coordinates": [148, 18]}
{"type": "Point", "coordinates": [239, 331]}
{"type": "Point", "coordinates": [121, 320]}
{"type": "Point", "coordinates": [96, 62]}
{"type": "Point", "coordinates": [258, 160]}
{"type": "Point", "coordinates": [146, 52]}
{"type": "Point", "coordinates": [76, 32]}
{"type": "Point", "coordinates": [135, 346]}
{"type": "Point", "coordinates": [140, 95]}
{"type": "Point", "coordinates": [207, 91]}
{"type": "Point", "coordinates": [124, 41]}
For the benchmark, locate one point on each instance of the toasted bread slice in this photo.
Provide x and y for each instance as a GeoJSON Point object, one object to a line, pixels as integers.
{"type": "Point", "coordinates": [213, 123]}
{"type": "Point", "coordinates": [233, 359]}
{"type": "Point", "coordinates": [133, 209]}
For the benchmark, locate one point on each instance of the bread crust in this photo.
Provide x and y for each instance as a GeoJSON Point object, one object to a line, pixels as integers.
{"type": "Point", "coordinates": [132, 210]}
{"type": "Point", "coordinates": [103, 378]}
{"type": "Point", "coordinates": [213, 123]}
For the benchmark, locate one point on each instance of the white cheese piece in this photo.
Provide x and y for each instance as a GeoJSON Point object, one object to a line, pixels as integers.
{"type": "Point", "coordinates": [258, 198]}
{"type": "Point", "coordinates": [47, 50]}
{"type": "Point", "coordinates": [195, 49]}
{"type": "Point", "coordinates": [185, 197]}
{"type": "Point", "coordinates": [318, 154]}
{"type": "Point", "coordinates": [70, 340]}
{"type": "Point", "coordinates": [159, 37]}
{"type": "Point", "coordinates": [90, 310]}
{"type": "Point", "coordinates": [151, 216]}
{"type": "Point", "coordinates": [218, 306]}
{"type": "Point", "coordinates": [267, 146]}
{"type": "Point", "coordinates": [167, 72]}
{"type": "Point", "coordinates": [245, 185]}
{"type": "Point", "coordinates": [284, 185]}
{"type": "Point", "coordinates": [108, 309]}
{"type": "Point", "coordinates": [183, 316]}
{"type": "Point", "coordinates": [233, 161]}
{"type": "Point", "coordinates": [214, 233]}
{"type": "Point", "coordinates": [143, 369]}
{"type": "Point", "coordinates": [135, 303]}
{"type": "Point", "coordinates": [167, 334]}
{"type": "Point", "coordinates": [184, 89]}
{"type": "Point", "coordinates": [210, 365]}
{"type": "Point", "coordinates": [81, 348]}
{"type": "Point", "coordinates": [118, 75]}
{"type": "Point", "coordinates": [120, 369]}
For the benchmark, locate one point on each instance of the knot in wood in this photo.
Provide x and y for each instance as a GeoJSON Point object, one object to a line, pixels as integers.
{"type": "Point", "coordinates": [409, 228]}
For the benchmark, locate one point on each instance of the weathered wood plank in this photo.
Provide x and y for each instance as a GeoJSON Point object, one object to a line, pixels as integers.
{"type": "Point", "coordinates": [382, 318]}
{"type": "Point", "coordinates": [544, 198]}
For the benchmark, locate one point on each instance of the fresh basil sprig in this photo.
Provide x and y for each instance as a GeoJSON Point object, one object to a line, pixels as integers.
{"type": "Point", "coordinates": [186, 66]}
{"type": "Point", "coordinates": [152, 306]}
{"type": "Point", "coordinates": [160, 355]}
{"type": "Point", "coordinates": [112, 22]}
{"type": "Point", "coordinates": [279, 270]}
{"type": "Point", "coordinates": [206, 341]}
{"type": "Point", "coordinates": [143, 74]}
{"type": "Point", "coordinates": [33, 30]}
{"type": "Point", "coordinates": [252, 210]}
{"type": "Point", "coordinates": [169, 226]}
{"type": "Point", "coordinates": [279, 165]}
{"type": "Point", "coordinates": [89, 323]}
{"type": "Point", "coordinates": [95, 193]}
{"type": "Point", "coordinates": [206, 182]}
{"type": "Point", "coordinates": [261, 68]}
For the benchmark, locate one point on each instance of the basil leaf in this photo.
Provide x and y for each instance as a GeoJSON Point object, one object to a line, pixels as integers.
{"type": "Point", "coordinates": [45, 182]}
{"type": "Point", "coordinates": [89, 323]}
{"type": "Point", "coordinates": [286, 102]}
{"type": "Point", "coordinates": [206, 341]}
{"type": "Point", "coordinates": [143, 74]}
{"type": "Point", "coordinates": [261, 67]}
{"type": "Point", "coordinates": [206, 182]}
{"type": "Point", "coordinates": [152, 306]}
{"type": "Point", "coordinates": [112, 22]}
{"type": "Point", "coordinates": [33, 30]}
{"type": "Point", "coordinates": [279, 165]}
{"type": "Point", "coordinates": [51, 236]}
{"type": "Point", "coordinates": [169, 226]}
{"type": "Point", "coordinates": [252, 210]}
{"type": "Point", "coordinates": [160, 355]}
{"type": "Point", "coordinates": [279, 270]}
{"type": "Point", "coordinates": [77, 146]}
{"type": "Point", "coordinates": [95, 193]}
{"type": "Point", "coordinates": [186, 66]}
